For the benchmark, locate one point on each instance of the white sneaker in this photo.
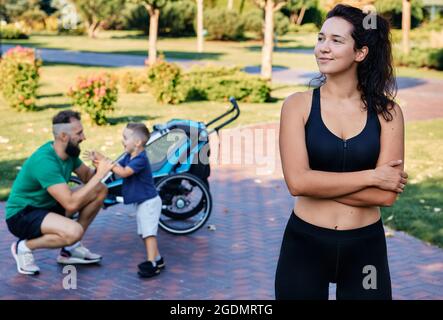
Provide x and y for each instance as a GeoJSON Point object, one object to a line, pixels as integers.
{"type": "Point", "coordinates": [25, 261]}
{"type": "Point", "coordinates": [78, 255]}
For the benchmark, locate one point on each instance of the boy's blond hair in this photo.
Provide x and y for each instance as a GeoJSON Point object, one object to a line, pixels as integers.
{"type": "Point", "coordinates": [140, 131]}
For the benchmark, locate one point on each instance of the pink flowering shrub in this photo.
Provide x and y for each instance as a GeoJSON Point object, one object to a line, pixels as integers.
{"type": "Point", "coordinates": [95, 95]}
{"type": "Point", "coordinates": [19, 76]}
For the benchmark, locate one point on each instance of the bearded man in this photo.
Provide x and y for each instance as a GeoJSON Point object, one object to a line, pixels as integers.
{"type": "Point", "coordinates": [41, 205]}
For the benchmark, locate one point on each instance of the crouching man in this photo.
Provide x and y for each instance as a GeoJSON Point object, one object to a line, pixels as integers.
{"type": "Point", "coordinates": [41, 205]}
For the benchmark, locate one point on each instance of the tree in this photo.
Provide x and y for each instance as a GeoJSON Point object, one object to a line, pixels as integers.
{"type": "Point", "coordinates": [329, 4]}
{"type": "Point", "coordinates": [10, 10]}
{"type": "Point", "coordinates": [230, 5]}
{"type": "Point", "coordinates": [94, 13]}
{"type": "Point", "coordinates": [34, 15]}
{"type": "Point", "coordinates": [269, 6]}
{"type": "Point", "coordinates": [393, 11]}
{"type": "Point", "coordinates": [153, 8]}
{"type": "Point", "coordinates": [298, 9]}
{"type": "Point", "coordinates": [406, 24]}
{"type": "Point", "coordinates": [16, 10]}
{"type": "Point", "coordinates": [200, 25]}
{"type": "Point", "coordinates": [404, 13]}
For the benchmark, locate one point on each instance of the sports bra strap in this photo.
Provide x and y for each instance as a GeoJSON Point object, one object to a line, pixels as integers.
{"type": "Point", "coordinates": [316, 99]}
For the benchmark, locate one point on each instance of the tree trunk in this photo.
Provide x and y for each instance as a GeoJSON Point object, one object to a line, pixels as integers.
{"type": "Point", "coordinates": [154, 15]}
{"type": "Point", "coordinates": [230, 4]}
{"type": "Point", "coordinates": [268, 44]}
{"type": "Point", "coordinates": [301, 15]}
{"type": "Point", "coordinates": [92, 29]}
{"type": "Point", "coordinates": [200, 25]}
{"type": "Point", "coordinates": [406, 24]}
{"type": "Point", "coordinates": [293, 17]}
{"type": "Point", "coordinates": [242, 6]}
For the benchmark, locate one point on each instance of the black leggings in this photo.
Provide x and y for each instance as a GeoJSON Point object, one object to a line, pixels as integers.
{"type": "Point", "coordinates": [311, 257]}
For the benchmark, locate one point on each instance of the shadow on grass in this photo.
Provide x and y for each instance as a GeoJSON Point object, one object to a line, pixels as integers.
{"type": "Point", "coordinates": [69, 64]}
{"type": "Point", "coordinates": [53, 106]}
{"type": "Point", "coordinates": [182, 55]}
{"type": "Point", "coordinates": [50, 95]}
{"type": "Point", "coordinates": [125, 119]}
{"type": "Point", "coordinates": [139, 36]}
{"type": "Point", "coordinates": [193, 55]}
{"type": "Point", "coordinates": [419, 211]}
{"type": "Point", "coordinates": [24, 43]}
{"type": "Point", "coordinates": [274, 99]}
{"type": "Point", "coordinates": [291, 49]}
{"type": "Point", "coordinates": [144, 36]}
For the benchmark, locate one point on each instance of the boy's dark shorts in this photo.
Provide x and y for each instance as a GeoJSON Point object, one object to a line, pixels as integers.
{"type": "Point", "coordinates": [26, 224]}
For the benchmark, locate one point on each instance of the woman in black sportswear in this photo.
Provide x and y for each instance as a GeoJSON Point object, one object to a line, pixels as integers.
{"type": "Point", "coordinates": [342, 151]}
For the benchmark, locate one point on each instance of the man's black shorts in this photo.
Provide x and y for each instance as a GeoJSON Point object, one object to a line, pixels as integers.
{"type": "Point", "coordinates": [26, 224]}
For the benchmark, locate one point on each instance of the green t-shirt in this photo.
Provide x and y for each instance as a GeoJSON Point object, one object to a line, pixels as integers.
{"type": "Point", "coordinates": [40, 171]}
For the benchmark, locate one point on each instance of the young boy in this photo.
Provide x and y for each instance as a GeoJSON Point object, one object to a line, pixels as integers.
{"type": "Point", "coordinates": [139, 189]}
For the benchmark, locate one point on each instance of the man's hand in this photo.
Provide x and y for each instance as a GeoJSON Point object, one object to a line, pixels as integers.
{"type": "Point", "coordinates": [93, 156]}
{"type": "Point", "coordinates": [104, 166]}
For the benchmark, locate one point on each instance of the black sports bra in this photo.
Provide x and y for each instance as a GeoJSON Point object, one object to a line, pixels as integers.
{"type": "Point", "coordinates": [327, 152]}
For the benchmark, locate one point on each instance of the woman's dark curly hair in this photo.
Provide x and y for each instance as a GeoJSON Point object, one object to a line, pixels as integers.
{"type": "Point", "coordinates": [376, 79]}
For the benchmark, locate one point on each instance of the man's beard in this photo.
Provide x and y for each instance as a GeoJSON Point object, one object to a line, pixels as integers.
{"type": "Point", "coordinates": [72, 150]}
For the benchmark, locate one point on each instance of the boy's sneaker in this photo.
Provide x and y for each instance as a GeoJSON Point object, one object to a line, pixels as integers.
{"type": "Point", "coordinates": [25, 261]}
{"type": "Point", "coordinates": [78, 255]}
{"type": "Point", "coordinates": [149, 270]}
{"type": "Point", "coordinates": [147, 264]}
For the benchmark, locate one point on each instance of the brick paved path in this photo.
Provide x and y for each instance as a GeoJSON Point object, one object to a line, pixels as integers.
{"type": "Point", "coordinates": [235, 261]}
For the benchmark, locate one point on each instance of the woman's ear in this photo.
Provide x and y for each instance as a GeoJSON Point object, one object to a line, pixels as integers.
{"type": "Point", "coordinates": [361, 54]}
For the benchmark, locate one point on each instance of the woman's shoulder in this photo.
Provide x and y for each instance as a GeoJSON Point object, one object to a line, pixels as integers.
{"type": "Point", "coordinates": [298, 104]}
{"type": "Point", "coordinates": [396, 113]}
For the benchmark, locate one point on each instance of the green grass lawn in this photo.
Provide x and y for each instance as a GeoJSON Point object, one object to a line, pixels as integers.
{"type": "Point", "coordinates": [419, 209]}
{"type": "Point", "coordinates": [246, 53]}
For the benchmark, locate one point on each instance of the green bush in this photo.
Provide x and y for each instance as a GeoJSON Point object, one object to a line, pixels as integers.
{"type": "Point", "coordinates": [220, 83]}
{"type": "Point", "coordinates": [170, 85]}
{"type": "Point", "coordinates": [11, 32]}
{"type": "Point", "coordinates": [223, 25]}
{"type": "Point", "coordinates": [132, 81]}
{"type": "Point", "coordinates": [315, 15]}
{"type": "Point", "coordinates": [164, 80]}
{"type": "Point", "coordinates": [392, 10]}
{"type": "Point", "coordinates": [434, 25]}
{"type": "Point", "coordinates": [436, 59]}
{"type": "Point", "coordinates": [19, 76]}
{"type": "Point", "coordinates": [95, 95]}
{"type": "Point", "coordinates": [304, 28]}
{"type": "Point", "coordinates": [177, 18]}
{"type": "Point", "coordinates": [253, 21]}
{"type": "Point", "coordinates": [420, 58]}
{"type": "Point", "coordinates": [78, 30]}
{"type": "Point", "coordinates": [281, 23]}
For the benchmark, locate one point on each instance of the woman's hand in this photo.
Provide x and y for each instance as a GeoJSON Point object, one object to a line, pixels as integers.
{"type": "Point", "coordinates": [387, 177]}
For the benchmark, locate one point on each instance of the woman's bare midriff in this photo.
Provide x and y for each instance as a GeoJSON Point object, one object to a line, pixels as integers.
{"type": "Point", "coordinates": [331, 214]}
